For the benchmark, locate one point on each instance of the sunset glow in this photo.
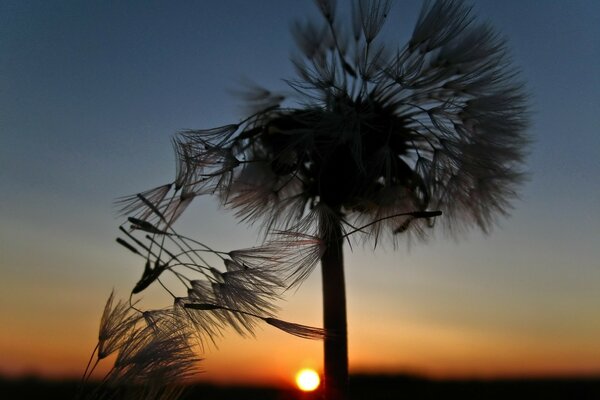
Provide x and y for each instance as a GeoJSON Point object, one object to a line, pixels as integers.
{"type": "Point", "coordinates": [307, 380]}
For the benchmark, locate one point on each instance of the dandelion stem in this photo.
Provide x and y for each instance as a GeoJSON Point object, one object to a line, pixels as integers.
{"type": "Point", "coordinates": [334, 316]}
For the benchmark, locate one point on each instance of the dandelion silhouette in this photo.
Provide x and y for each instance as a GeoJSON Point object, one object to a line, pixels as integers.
{"type": "Point", "coordinates": [381, 144]}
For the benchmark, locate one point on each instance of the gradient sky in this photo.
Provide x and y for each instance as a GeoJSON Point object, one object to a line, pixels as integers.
{"type": "Point", "coordinates": [90, 93]}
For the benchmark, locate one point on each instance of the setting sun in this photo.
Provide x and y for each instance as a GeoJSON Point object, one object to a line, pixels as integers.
{"type": "Point", "coordinates": [307, 380]}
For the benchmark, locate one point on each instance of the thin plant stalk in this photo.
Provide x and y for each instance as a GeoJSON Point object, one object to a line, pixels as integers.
{"type": "Point", "coordinates": [334, 317]}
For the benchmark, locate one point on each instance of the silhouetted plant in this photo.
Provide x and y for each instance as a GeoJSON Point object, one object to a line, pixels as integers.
{"type": "Point", "coordinates": [153, 354]}
{"type": "Point", "coordinates": [380, 142]}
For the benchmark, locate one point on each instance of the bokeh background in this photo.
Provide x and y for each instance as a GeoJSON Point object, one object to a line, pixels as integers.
{"type": "Point", "coordinates": [90, 93]}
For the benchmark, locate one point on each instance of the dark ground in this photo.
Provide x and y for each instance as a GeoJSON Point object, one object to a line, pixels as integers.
{"type": "Point", "coordinates": [367, 387]}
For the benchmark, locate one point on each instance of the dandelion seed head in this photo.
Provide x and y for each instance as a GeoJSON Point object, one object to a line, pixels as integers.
{"type": "Point", "coordinates": [439, 125]}
{"type": "Point", "coordinates": [116, 321]}
{"type": "Point", "coordinates": [381, 144]}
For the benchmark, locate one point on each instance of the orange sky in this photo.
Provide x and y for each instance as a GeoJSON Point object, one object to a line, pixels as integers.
{"type": "Point", "coordinates": [55, 337]}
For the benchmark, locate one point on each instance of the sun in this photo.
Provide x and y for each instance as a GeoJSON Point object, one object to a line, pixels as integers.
{"type": "Point", "coordinates": [307, 380]}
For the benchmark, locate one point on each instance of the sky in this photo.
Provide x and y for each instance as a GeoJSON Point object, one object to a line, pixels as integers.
{"type": "Point", "coordinates": [90, 95]}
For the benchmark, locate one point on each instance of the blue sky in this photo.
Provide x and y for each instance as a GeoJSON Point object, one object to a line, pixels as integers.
{"type": "Point", "coordinates": [90, 93]}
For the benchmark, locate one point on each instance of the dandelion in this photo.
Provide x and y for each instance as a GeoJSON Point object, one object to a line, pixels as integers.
{"type": "Point", "coordinates": [154, 354]}
{"type": "Point", "coordinates": [299, 330]}
{"type": "Point", "coordinates": [155, 351]}
{"type": "Point", "coordinates": [115, 323]}
{"type": "Point", "coordinates": [240, 288]}
{"type": "Point", "coordinates": [382, 145]}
